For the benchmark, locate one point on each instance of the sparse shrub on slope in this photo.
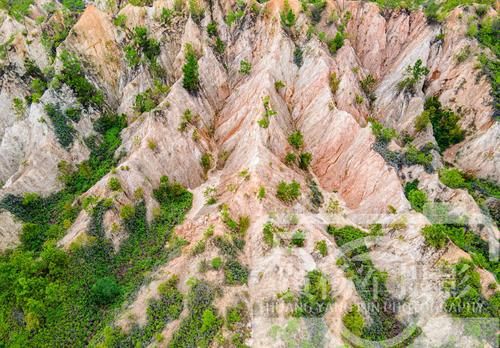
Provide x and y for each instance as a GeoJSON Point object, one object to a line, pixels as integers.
{"type": "Point", "coordinates": [413, 75]}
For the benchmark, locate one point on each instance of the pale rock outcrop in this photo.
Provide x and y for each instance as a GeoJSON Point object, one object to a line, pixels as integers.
{"type": "Point", "coordinates": [93, 38]}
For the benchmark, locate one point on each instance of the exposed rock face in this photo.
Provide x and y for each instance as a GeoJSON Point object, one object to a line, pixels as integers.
{"type": "Point", "coordinates": [247, 158]}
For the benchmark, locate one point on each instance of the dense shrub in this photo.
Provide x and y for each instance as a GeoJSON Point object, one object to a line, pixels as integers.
{"type": "Point", "coordinates": [287, 16]}
{"type": "Point", "coordinates": [368, 282]}
{"type": "Point", "coordinates": [245, 67]}
{"type": "Point", "coordinates": [37, 88]}
{"type": "Point", "coordinates": [465, 299]}
{"type": "Point", "coordinates": [298, 238]}
{"type": "Point", "coordinates": [416, 197]}
{"type": "Point", "coordinates": [17, 9]}
{"type": "Point", "coordinates": [105, 290]}
{"type": "Point", "coordinates": [62, 127]}
{"type": "Point", "coordinates": [445, 125]}
{"type": "Point", "coordinates": [416, 156]}
{"type": "Point", "coordinates": [316, 296]}
{"type": "Point", "coordinates": [298, 56]}
{"type": "Point", "coordinates": [305, 159]}
{"type": "Point", "coordinates": [143, 43]}
{"type": "Point", "coordinates": [166, 308]}
{"type": "Point", "coordinates": [435, 235]}
{"type": "Point", "coordinates": [288, 192]}
{"type": "Point", "coordinates": [191, 79]}
{"type": "Point", "coordinates": [235, 273]}
{"type": "Point", "coordinates": [296, 139]}
{"type": "Point", "coordinates": [74, 5]}
{"type": "Point", "coordinates": [422, 121]}
{"type": "Point", "coordinates": [353, 321]}
{"type": "Point", "coordinates": [452, 177]}
{"type": "Point", "coordinates": [201, 325]}
{"type": "Point", "coordinates": [71, 289]}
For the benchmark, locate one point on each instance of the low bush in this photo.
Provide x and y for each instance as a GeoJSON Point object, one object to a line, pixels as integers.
{"type": "Point", "coordinates": [196, 10]}
{"type": "Point", "coordinates": [120, 21]}
{"type": "Point", "coordinates": [334, 83]}
{"type": "Point", "coordinates": [353, 321]}
{"type": "Point", "coordinates": [316, 296]}
{"type": "Point", "coordinates": [383, 134]}
{"type": "Point", "coordinates": [288, 192]}
{"type": "Point", "coordinates": [436, 235]}
{"type": "Point", "coordinates": [191, 78]}
{"type": "Point", "coordinates": [298, 56]}
{"type": "Point", "coordinates": [445, 124]}
{"type": "Point", "coordinates": [245, 67]}
{"type": "Point", "coordinates": [206, 161]}
{"type": "Point", "coordinates": [151, 97]}
{"type": "Point", "coordinates": [305, 159]}
{"type": "Point", "coordinates": [104, 291]}
{"type": "Point", "coordinates": [287, 16]}
{"type": "Point", "coordinates": [321, 248]}
{"type": "Point", "coordinates": [368, 87]}
{"type": "Point", "coordinates": [298, 239]}
{"type": "Point", "coordinates": [416, 197]}
{"type": "Point", "coordinates": [235, 273]}
{"type": "Point", "coordinates": [114, 184]}
{"type": "Point", "coordinates": [296, 139]}
{"type": "Point", "coordinates": [216, 263]}
{"type": "Point", "coordinates": [416, 156]}
{"type": "Point", "coordinates": [63, 129]}
{"type": "Point", "coordinates": [452, 178]}
{"type": "Point", "coordinates": [337, 42]}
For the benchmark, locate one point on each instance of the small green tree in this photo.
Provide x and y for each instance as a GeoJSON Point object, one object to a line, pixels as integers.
{"type": "Point", "coordinates": [191, 79]}
{"type": "Point", "coordinates": [287, 16]}
{"type": "Point", "coordinates": [412, 76]}
{"type": "Point", "coordinates": [296, 139]}
{"type": "Point", "coordinates": [104, 291]}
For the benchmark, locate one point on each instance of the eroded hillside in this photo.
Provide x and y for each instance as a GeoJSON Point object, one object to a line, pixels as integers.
{"type": "Point", "coordinates": [260, 174]}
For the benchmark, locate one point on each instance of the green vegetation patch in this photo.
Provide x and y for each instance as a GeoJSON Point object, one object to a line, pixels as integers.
{"type": "Point", "coordinates": [370, 284]}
